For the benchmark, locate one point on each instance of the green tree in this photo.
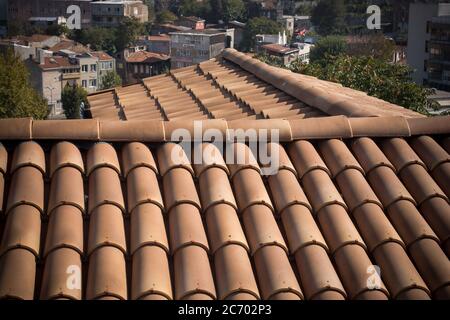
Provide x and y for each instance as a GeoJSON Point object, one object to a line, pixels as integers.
{"type": "Point", "coordinates": [166, 16]}
{"type": "Point", "coordinates": [128, 31]}
{"type": "Point", "coordinates": [329, 17]}
{"type": "Point", "coordinates": [331, 46]}
{"type": "Point", "coordinates": [375, 45]}
{"type": "Point", "coordinates": [110, 80]}
{"type": "Point", "coordinates": [194, 8]}
{"type": "Point", "coordinates": [256, 26]}
{"type": "Point", "coordinates": [98, 38]}
{"type": "Point", "coordinates": [72, 97]}
{"type": "Point", "coordinates": [17, 97]}
{"type": "Point", "coordinates": [376, 77]}
{"type": "Point", "coordinates": [233, 10]}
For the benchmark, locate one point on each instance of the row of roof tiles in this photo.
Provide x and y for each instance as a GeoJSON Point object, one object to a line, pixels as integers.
{"type": "Point", "coordinates": [160, 131]}
{"type": "Point", "coordinates": [237, 86]}
{"type": "Point", "coordinates": [335, 208]}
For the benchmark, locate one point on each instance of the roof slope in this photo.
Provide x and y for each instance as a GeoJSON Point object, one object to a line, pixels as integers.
{"type": "Point", "coordinates": [237, 86]}
{"type": "Point", "coordinates": [349, 194]}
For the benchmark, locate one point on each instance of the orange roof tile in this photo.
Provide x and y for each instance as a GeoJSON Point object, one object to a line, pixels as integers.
{"type": "Point", "coordinates": [342, 200]}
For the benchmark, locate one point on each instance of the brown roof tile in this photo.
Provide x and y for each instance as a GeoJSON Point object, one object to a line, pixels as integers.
{"type": "Point", "coordinates": [106, 274]}
{"type": "Point", "coordinates": [65, 230]}
{"type": "Point", "coordinates": [233, 244]}
{"type": "Point", "coordinates": [147, 228]}
{"type": "Point", "coordinates": [319, 278]}
{"type": "Point", "coordinates": [54, 278]}
{"type": "Point", "coordinates": [233, 262]}
{"type": "Point", "coordinates": [151, 274]}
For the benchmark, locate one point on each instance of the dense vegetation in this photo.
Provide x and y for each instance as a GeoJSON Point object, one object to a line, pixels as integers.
{"type": "Point", "coordinates": [17, 97]}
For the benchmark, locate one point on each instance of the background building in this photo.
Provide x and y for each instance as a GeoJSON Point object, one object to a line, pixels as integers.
{"type": "Point", "coordinates": [194, 46]}
{"type": "Point", "coordinates": [191, 22]}
{"type": "Point", "coordinates": [110, 13]}
{"type": "Point", "coordinates": [27, 11]}
{"type": "Point", "coordinates": [429, 44]}
{"type": "Point", "coordinates": [105, 64]}
{"type": "Point", "coordinates": [142, 64]}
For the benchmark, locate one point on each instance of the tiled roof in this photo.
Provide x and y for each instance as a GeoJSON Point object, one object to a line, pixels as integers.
{"type": "Point", "coordinates": [109, 198]}
{"type": "Point", "coordinates": [146, 56]}
{"type": "Point", "coordinates": [238, 86]}
{"type": "Point", "coordinates": [278, 48]}
{"type": "Point", "coordinates": [101, 55]}
{"type": "Point", "coordinates": [56, 62]}
{"type": "Point", "coordinates": [69, 45]}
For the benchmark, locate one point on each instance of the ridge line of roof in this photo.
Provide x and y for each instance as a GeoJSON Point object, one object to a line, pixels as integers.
{"type": "Point", "coordinates": [300, 87]}
{"type": "Point", "coordinates": [339, 127]}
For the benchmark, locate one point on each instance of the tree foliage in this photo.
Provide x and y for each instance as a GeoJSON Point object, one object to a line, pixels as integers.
{"type": "Point", "coordinates": [330, 46]}
{"type": "Point", "coordinates": [110, 80]}
{"type": "Point", "coordinates": [329, 17]}
{"type": "Point", "coordinates": [128, 32]}
{"type": "Point", "coordinates": [194, 8]}
{"type": "Point", "coordinates": [233, 10]}
{"type": "Point", "coordinates": [98, 38]}
{"type": "Point", "coordinates": [376, 77]}
{"type": "Point", "coordinates": [72, 97]}
{"type": "Point", "coordinates": [256, 26]}
{"type": "Point", "coordinates": [166, 16]}
{"type": "Point", "coordinates": [17, 97]}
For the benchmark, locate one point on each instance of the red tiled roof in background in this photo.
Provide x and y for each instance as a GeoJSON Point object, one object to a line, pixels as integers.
{"type": "Point", "coordinates": [101, 55]}
{"type": "Point", "coordinates": [238, 86]}
{"type": "Point", "coordinates": [70, 45]}
{"type": "Point", "coordinates": [349, 194]}
{"type": "Point", "coordinates": [56, 62]}
{"type": "Point", "coordinates": [146, 57]}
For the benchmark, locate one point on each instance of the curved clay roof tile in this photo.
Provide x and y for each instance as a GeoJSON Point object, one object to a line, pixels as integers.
{"type": "Point", "coordinates": [28, 153]}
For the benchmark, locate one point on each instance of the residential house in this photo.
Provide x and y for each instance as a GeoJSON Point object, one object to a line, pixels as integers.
{"type": "Point", "coordinates": [26, 47]}
{"type": "Point", "coordinates": [284, 54]}
{"type": "Point", "coordinates": [287, 22]}
{"type": "Point", "coordinates": [194, 46]}
{"type": "Point", "coordinates": [262, 39]}
{"type": "Point", "coordinates": [105, 64]}
{"type": "Point", "coordinates": [304, 50]}
{"type": "Point", "coordinates": [110, 13]}
{"type": "Point", "coordinates": [50, 74]}
{"type": "Point", "coordinates": [191, 22]}
{"type": "Point", "coordinates": [140, 64]}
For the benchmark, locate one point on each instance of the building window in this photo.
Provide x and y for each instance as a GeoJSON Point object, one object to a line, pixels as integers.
{"type": "Point", "coordinates": [93, 82]}
{"type": "Point", "coordinates": [84, 68]}
{"type": "Point", "coordinates": [93, 67]}
{"type": "Point", "coordinates": [84, 83]}
{"type": "Point", "coordinates": [136, 68]}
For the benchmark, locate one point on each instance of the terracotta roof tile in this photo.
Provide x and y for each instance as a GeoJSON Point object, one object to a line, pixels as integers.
{"type": "Point", "coordinates": [224, 227]}
{"type": "Point", "coordinates": [336, 205]}
{"type": "Point", "coordinates": [186, 228]}
{"type": "Point", "coordinates": [65, 154]}
{"type": "Point", "coordinates": [151, 274]}
{"type": "Point", "coordinates": [106, 274]}
{"type": "Point", "coordinates": [135, 155]}
{"type": "Point", "coordinates": [66, 188]}
{"type": "Point", "coordinates": [106, 228]}
{"type": "Point", "coordinates": [233, 261]}
{"type": "Point", "coordinates": [147, 228]}
{"type": "Point", "coordinates": [319, 278]}
{"type": "Point", "coordinates": [23, 230]}
{"type": "Point", "coordinates": [17, 278]}
{"type": "Point", "coordinates": [65, 230]}
{"type": "Point", "coordinates": [54, 278]}
{"type": "Point", "coordinates": [192, 274]}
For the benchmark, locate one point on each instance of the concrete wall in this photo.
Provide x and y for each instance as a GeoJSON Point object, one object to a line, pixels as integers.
{"type": "Point", "coordinates": [89, 75]}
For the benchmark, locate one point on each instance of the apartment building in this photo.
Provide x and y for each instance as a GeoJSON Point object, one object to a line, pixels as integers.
{"type": "Point", "coordinates": [110, 13]}
{"type": "Point", "coordinates": [50, 74]}
{"type": "Point", "coordinates": [194, 46]}
{"type": "Point", "coordinates": [27, 11]}
{"type": "Point", "coordinates": [284, 54]}
{"type": "Point", "coordinates": [27, 46]}
{"type": "Point", "coordinates": [105, 64]}
{"type": "Point", "coordinates": [428, 50]}
{"type": "Point", "coordinates": [158, 43]}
